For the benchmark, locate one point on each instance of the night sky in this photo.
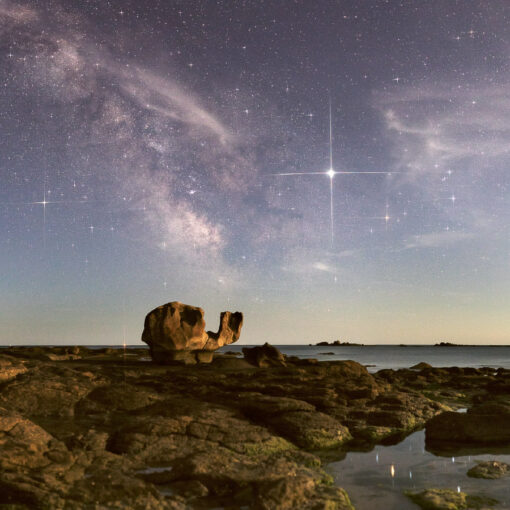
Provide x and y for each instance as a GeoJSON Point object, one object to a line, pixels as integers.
{"type": "Point", "coordinates": [142, 147]}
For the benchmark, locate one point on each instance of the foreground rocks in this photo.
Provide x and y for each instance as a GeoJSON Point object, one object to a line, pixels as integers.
{"type": "Point", "coordinates": [106, 429]}
{"type": "Point", "coordinates": [176, 332]}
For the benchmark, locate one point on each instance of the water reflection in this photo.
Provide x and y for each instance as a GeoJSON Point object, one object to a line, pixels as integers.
{"type": "Point", "coordinates": [377, 479]}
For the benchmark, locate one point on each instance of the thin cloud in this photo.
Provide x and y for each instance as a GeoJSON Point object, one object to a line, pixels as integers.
{"type": "Point", "coordinates": [433, 129]}
{"type": "Point", "coordinates": [437, 239]}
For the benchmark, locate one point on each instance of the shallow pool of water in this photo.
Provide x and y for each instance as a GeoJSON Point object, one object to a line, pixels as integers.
{"type": "Point", "coordinates": [379, 478]}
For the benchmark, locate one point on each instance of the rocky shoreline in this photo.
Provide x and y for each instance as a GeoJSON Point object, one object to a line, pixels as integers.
{"type": "Point", "coordinates": [104, 428]}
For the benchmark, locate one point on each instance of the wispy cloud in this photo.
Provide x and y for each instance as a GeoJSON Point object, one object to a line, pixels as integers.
{"type": "Point", "coordinates": [437, 239]}
{"type": "Point", "coordinates": [434, 129]}
{"type": "Point", "coordinates": [326, 268]}
{"type": "Point", "coordinates": [169, 100]}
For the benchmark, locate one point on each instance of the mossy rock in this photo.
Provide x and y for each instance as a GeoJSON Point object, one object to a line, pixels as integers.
{"type": "Point", "coordinates": [373, 434]}
{"type": "Point", "coordinates": [266, 448]}
{"type": "Point", "coordinates": [334, 498]}
{"type": "Point", "coordinates": [324, 439]}
{"type": "Point", "coordinates": [447, 499]}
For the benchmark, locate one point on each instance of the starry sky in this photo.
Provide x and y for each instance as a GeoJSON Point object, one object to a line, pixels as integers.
{"type": "Point", "coordinates": [333, 169]}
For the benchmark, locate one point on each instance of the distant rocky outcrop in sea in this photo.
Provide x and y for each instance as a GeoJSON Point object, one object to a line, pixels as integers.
{"type": "Point", "coordinates": [337, 343]}
{"type": "Point", "coordinates": [175, 332]}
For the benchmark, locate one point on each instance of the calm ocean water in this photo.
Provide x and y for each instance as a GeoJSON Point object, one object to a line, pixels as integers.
{"type": "Point", "coordinates": [379, 478]}
{"type": "Point", "coordinates": [394, 356]}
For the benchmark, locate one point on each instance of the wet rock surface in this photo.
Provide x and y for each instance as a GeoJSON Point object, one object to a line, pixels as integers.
{"type": "Point", "coordinates": [106, 429]}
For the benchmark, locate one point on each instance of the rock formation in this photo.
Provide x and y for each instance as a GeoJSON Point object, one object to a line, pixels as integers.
{"type": "Point", "coordinates": [176, 332]}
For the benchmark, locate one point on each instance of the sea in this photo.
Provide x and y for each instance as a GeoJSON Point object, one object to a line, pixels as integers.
{"type": "Point", "coordinates": [379, 357]}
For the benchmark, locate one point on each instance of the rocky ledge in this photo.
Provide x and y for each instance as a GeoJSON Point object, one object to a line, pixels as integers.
{"type": "Point", "coordinates": [101, 428]}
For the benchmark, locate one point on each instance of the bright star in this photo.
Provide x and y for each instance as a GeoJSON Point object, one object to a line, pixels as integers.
{"type": "Point", "coordinates": [331, 173]}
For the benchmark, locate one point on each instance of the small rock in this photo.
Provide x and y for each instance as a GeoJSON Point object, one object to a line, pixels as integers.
{"type": "Point", "coordinates": [421, 366]}
{"type": "Point", "coordinates": [491, 469]}
{"type": "Point", "coordinates": [204, 356]}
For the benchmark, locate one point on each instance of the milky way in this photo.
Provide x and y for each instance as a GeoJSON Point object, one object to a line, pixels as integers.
{"type": "Point", "coordinates": [158, 151]}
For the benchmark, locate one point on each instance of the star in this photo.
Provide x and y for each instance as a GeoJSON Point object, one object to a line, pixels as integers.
{"type": "Point", "coordinates": [331, 172]}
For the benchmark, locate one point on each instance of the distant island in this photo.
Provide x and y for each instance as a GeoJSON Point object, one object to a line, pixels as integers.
{"type": "Point", "coordinates": [338, 343]}
{"type": "Point", "coordinates": [447, 344]}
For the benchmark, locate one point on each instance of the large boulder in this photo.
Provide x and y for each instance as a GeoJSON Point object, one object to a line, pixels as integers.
{"type": "Point", "coordinates": [482, 424]}
{"type": "Point", "coordinates": [176, 332]}
{"type": "Point", "coordinates": [264, 356]}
